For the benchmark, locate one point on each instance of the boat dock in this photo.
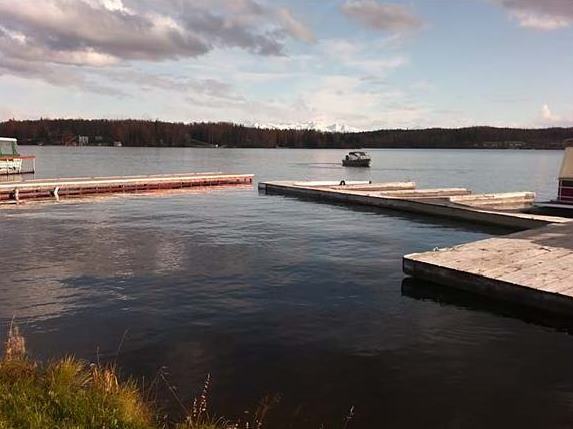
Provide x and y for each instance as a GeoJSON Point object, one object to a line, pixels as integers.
{"type": "Point", "coordinates": [500, 209]}
{"type": "Point", "coordinates": [54, 189]}
{"type": "Point", "coordinates": [532, 267]}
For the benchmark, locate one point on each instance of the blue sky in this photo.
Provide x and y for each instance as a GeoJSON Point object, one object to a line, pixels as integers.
{"type": "Point", "coordinates": [366, 64]}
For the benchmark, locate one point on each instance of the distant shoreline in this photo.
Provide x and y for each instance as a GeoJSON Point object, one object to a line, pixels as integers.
{"type": "Point", "coordinates": [139, 133]}
{"type": "Point", "coordinates": [524, 149]}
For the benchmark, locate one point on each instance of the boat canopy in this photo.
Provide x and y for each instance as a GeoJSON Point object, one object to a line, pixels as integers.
{"type": "Point", "coordinates": [567, 165]}
{"type": "Point", "coordinates": [8, 147]}
{"type": "Point", "coordinates": [358, 153]}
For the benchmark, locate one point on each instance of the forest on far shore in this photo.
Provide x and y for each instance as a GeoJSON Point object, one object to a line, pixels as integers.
{"type": "Point", "coordinates": [103, 132]}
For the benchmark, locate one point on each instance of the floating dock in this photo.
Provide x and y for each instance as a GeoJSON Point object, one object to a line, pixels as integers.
{"type": "Point", "coordinates": [29, 190]}
{"type": "Point", "coordinates": [533, 267]}
{"type": "Point", "coordinates": [453, 203]}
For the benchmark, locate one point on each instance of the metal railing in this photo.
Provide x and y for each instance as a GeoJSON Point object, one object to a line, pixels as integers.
{"type": "Point", "coordinates": [17, 165]}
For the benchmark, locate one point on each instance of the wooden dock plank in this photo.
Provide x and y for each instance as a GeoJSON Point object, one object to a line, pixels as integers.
{"type": "Point", "coordinates": [117, 181]}
{"type": "Point", "coordinates": [526, 261]}
{"type": "Point", "coordinates": [532, 267]}
{"type": "Point", "coordinates": [433, 206]}
{"type": "Point", "coordinates": [389, 186]}
{"type": "Point", "coordinates": [425, 193]}
{"type": "Point", "coordinates": [495, 257]}
{"type": "Point", "coordinates": [539, 276]}
{"type": "Point", "coordinates": [96, 178]}
{"type": "Point", "coordinates": [504, 201]}
{"type": "Point", "coordinates": [73, 187]}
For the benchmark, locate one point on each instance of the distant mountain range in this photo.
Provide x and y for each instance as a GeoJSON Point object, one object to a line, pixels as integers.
{"type": "Point", "coordinates": [312, 125]}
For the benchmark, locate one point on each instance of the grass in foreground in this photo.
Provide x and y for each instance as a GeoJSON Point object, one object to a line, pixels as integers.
{"type": "Point", "coordinates": [72, 394]}
{"type": "Point", "coordinates": [65, 394]}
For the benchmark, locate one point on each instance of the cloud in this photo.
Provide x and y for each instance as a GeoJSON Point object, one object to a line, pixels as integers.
{"type": "Point", "coordinates": [389, 17]}
{"type": "Point", "coordinates": [69, 28]}
{"type": "Point", "coordinates": [86, 44]}
{"type": "Point", "coordinates": [208, 88]}
{"type": "Point", "coordinates": [294, 27]}
{"type": "Point", "coordinates": [56, 75]}
{"type": "Point", "coordinates": [542, 15]}
{"type": "Point", "coordinates": [101, 32]}
{"type": "Point", "coordinates": [548, 115]}
{"type": "Point", "coordinates": [551, 119]}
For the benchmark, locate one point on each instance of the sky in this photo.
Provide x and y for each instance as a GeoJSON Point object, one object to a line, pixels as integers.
{"type": "Point", "coordinates": [363, 64]}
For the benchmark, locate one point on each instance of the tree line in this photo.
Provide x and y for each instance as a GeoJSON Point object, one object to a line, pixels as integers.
{"type": "Point", "coordinates": [223, 134]}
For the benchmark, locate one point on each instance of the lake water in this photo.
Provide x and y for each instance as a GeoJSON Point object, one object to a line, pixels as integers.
{"type": "Point", "coordinates": [281, 296]}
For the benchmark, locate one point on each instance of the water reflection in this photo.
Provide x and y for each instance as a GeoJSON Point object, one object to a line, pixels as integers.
{"type": "Point", "coordinates": [446, 296]}
{"type": "Point", "coordinates": [9, 178]}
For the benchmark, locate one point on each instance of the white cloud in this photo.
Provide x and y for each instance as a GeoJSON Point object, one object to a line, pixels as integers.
{"type": "Point", "coordinates": [87, 44]}
{"type": "Point", "coordinates": [544, 15]}
{"type": "Point", "coordinates": [114, 5]}
{"type": "Point", "coordinates": [295, 27]}
{"type": "Point", "coordinates": [548, 115]}
{"type": "Point", "coordinates": [550, 118]}
{"type": "Point", "coordinates": [93, 31]}
{"type": "Point", "coordinates": [390, 17]}
{"type": "Point", "coordinates": [540, 22]}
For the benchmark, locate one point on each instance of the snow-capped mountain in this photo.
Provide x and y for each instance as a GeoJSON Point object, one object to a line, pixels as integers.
{"type": "Point", "coordinates": [312, 125]}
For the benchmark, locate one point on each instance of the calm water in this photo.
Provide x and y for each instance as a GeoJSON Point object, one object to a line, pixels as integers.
{"type": "Point", "coordinates": [275, 295]}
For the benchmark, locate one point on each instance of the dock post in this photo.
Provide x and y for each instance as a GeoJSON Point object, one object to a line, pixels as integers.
{"type": "Point", "coordinates": [56, 194]}
{"type": "Point", "coordinates": [16, 195]}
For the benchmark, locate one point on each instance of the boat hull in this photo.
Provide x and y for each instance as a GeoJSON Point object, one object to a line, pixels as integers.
{"type": "Point", "coordinates": [356, 163]}
{"type": "Point", "coordinates": [11, 166]}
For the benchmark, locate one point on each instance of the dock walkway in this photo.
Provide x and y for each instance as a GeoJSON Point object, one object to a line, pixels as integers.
{"type": "Point", "coordinates": [453, 203]}
{"type": "Point", "coordinates": [530, 267]}
{"type": "Point", "coordinates": [11, 192]}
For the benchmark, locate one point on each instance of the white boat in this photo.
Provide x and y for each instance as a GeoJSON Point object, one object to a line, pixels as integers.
{"type": "Point", "coordinates": [10, 160]}
{"type": "Point", "coordinates": [356, 159]}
